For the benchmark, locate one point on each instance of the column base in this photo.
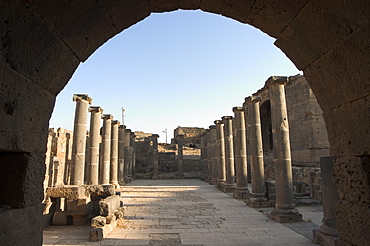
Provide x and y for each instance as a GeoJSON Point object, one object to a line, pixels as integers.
{"type": "Point", "coordinates": [241, 193]}
{"type": "Point", "coordinates": [285, 216]}
{"type": "Point", "coordinates": [115, 184]}
{"type": "Point", "coordinates": [324, 239]}
{"type": "Point", "coordinates": [260, 202]}
{"type": "Point", "coordinates": [220, 184]}
{"type": "Point", "coordinates": [228, 188]}
{"type": "Point", "coordinates": [213, 182]}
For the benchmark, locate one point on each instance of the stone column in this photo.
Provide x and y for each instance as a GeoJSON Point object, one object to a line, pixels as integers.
{"type": "Point", "coordinates": [209, 156]}
{"type": "Point", "coordinates": [220, 153]}
{"type": "Point", "coordinates": [114, 154]}
{"type": "Point", "coordinates": [121, 154]}
{"type": "Point", "coordinates": [79, 138]}
{"type": "Point", "coordinates": [94, 140]}
{"type": "Point", "coordinates": [327, 234]}
{"type": "Point", "coordinates": [127, 154]}
{"type": "Point", "coordinates": [258, 194]}
{"type": "Point", "coordinates": [285, 207]}
{"type": "Point", "coordinates": [203, 157]}
{"type": "Point", "coordinates": [131, 173]}
{"type": "Point", "coordinates": [105, 149]}
{"type": "Point", "coordinates": [229, 154]}
{"type": "Point", "coordinates": [214, 172]}
{"type": "Point", "coordinates": [180, 156]}
{"type": "Point", "coordinates": [154, 138]}
{"type": "Point", "coordinates": [240, 145]}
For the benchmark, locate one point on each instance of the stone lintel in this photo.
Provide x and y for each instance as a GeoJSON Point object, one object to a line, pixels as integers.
{"type": "Point", "coordinates": [116, 122]}
{"type": "Point", "coordinates": [96, 109]}
{"type": "Point", "coordinates": [218, 122]}
{"type": "Point", "coordinates": [256, 98]}
{"type": "Point", "coordinates": [226, 118]}
{"type": "Point", "coordinates": [276, 80]}
{"type": "Point", "coordinates": [107, 117]}
{"type": "Point", "coordinates": [72, 192]}
{"type": "Point", "coordinates": [238, 109]}
{"type": "Point", "coordinates": [82, 97]}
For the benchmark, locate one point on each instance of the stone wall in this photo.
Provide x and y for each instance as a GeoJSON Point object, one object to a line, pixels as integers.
{"type": "Point", "coordinates": [191, 135]}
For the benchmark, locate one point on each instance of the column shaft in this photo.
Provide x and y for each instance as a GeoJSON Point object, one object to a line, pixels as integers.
{"type": "Point", "coordinates": [154, 138]}
{"type": "Point", "coordinates": [105, 149]}
{"type": "Point", "coordinates": [79, 138]}
{"type": "Point", "coordinates": [127, 155]}
{"type": "Point", "coordinates": [121, 154]}
{"type": "Point", "coordinates": [114, 153]}
{"type": "Point", "coordinates": [220, 151]}
{"type": "Point", "coordinates": [94, 140]}
{"type": "Point", "coordinates": [229, 154]}
{"type": "Point", "coordinates": [180, 157]}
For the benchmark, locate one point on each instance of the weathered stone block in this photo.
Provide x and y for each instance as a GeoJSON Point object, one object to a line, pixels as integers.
{"type": "Point", "coordinates": [96, 234]}
{"type": "Point", "coordinates": [71, 192]}
{"type": "Point", "coordinates": [285, 217]}
{"type": "Point", "coordinates": [98, 221]}
{"type": "Point", "coordinates": [109, 205]}
{"type": "Point", "coordinates": [83, 205]}
{"type": "Point", "coordinates": [111, 218]}
{"type": "Point", "coordinates": [119, 213]}
{"type": "Point", "coordinates": [101, 191]}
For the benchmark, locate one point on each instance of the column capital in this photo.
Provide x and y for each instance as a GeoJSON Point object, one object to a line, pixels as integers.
{"type": "Point", "coordinates": [276, 80]}
{"type": "Point", "coordinates": [218, 122]}
{"type": "Point", "coordinates": [238, 109]}
{"type": "Point", "coordinates": [122, 127]}
{"type": "Point", "coordinates": [96, 109]}
{"type": "Point", "coordinates": [253, 99]}
{"type": "Point", "coordinates": [226, 118]}
{"type": "Point", "coordinates": [212, 127]}
{"type": "Point", "coordinates": [82, 97]}
{"type": "Point", "coordinates": [155, 136]}
{"type": "Point", "coordinates": [127, 130]}
{"type": "Point", "coordinates": [116, 122]}
{"type": "Point", "coordinates": [107, 117]}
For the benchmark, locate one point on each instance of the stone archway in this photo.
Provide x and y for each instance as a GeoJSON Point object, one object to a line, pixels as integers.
{"type": "Point", "coordinates": [42, 43]}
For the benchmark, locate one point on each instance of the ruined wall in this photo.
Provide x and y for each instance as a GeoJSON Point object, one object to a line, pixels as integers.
{"type": "Point", "coordinates": [191, 135]}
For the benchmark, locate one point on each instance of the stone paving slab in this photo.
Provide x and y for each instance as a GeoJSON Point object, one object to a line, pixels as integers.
{"type": "Point", "coordinates": [186, 212]}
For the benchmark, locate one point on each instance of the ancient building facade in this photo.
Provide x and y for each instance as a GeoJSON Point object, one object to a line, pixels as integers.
{"type": "Point", "coordinates": [191, 135]}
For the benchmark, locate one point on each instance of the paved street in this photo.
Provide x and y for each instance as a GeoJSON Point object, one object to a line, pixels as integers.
{"type": "Point", "coordinates": [189, 212]}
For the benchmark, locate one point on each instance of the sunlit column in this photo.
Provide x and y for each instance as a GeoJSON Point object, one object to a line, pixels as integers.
{"type": "Point", "coordinates": [105, 149]}
{"type": "Point", "coordinates": [229, 154]}
{"type": "Point", "coordinates": [114, 154]}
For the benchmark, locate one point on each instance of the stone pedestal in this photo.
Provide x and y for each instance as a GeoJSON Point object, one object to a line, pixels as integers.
{"type": "Point", "coordinates": [229, 185]}
{"type": "Point", "coordinates": [94, 140]}
{"type": "Point", "coordinates": [327, 234]}
{"type": "Point", "coordinates": [154, 139]}
{"type": "Point", "coordinates": [121, 154]}
{"type": "Point", "coordinates": [114, 154]}
{"type": "Point", "coordinates": [257, 197]}
{"type": "Point", "coordinates": [79, 138]}
{"type": "Point", "coordinates": [285, 206]}
{"type": "Point", "coordinates": [105, 149]}
{"type": "Point", "coordinates": [240, 146]}
{"type": "Point", "coordinates": [220, 153]}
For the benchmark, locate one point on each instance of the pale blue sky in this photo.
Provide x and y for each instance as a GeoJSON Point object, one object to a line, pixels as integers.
{"type": "Point", "coordinates": [184, 68]}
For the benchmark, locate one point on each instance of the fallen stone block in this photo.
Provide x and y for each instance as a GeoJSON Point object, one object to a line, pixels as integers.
{"type": "Point", "coordinates": [101, 191]}
{"type": "Point", "coordinates": [96, 234]}
{"type": "Point", "coordinates": [79, 205]}
{"type": "Point", "coordinates": [71, 192]}
{"type": "Point", "coordinates": [119, 213]}
{"type": "Point", "coordinates": [111, 218]}
{"type": "Point", "coordinates": [109, 205]}
{"type": "Point", "coordinates": [98, 221]}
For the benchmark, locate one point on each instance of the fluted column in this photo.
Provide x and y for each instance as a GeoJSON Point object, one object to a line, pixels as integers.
{"type": "Point", "coordinates": [94, 140]}
{"type": "Point", "coordinates": [154, 138]}
{"type": "Point", "coordinates": [285, 207]}
{"type": "Point", "coordinates": [127, 155]}
{"type": "Point", "coordinates": [220, 152]}
{"type": "Point", "coordinates": [79, 138]}
{"type": "Point", "coordinates": [240, 146]}
{"type": "Point", "coordinates": [180, 156]}
{"type": "Point", "coordinates": [229, 154]}
{"type": "Point", "coordinates": [114, 154]}
{"type": "Point", "coordinates": [258, 193]}
{"type": "Point", "coordinates": [105, 149]}
{"type": "Point", "coordinates": [121, 154]}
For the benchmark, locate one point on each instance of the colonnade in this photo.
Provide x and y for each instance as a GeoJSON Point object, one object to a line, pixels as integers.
{"type": "Point", "coordinates": [226, 164]}
{"type": "Point", "coordinates": [110, 155]}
